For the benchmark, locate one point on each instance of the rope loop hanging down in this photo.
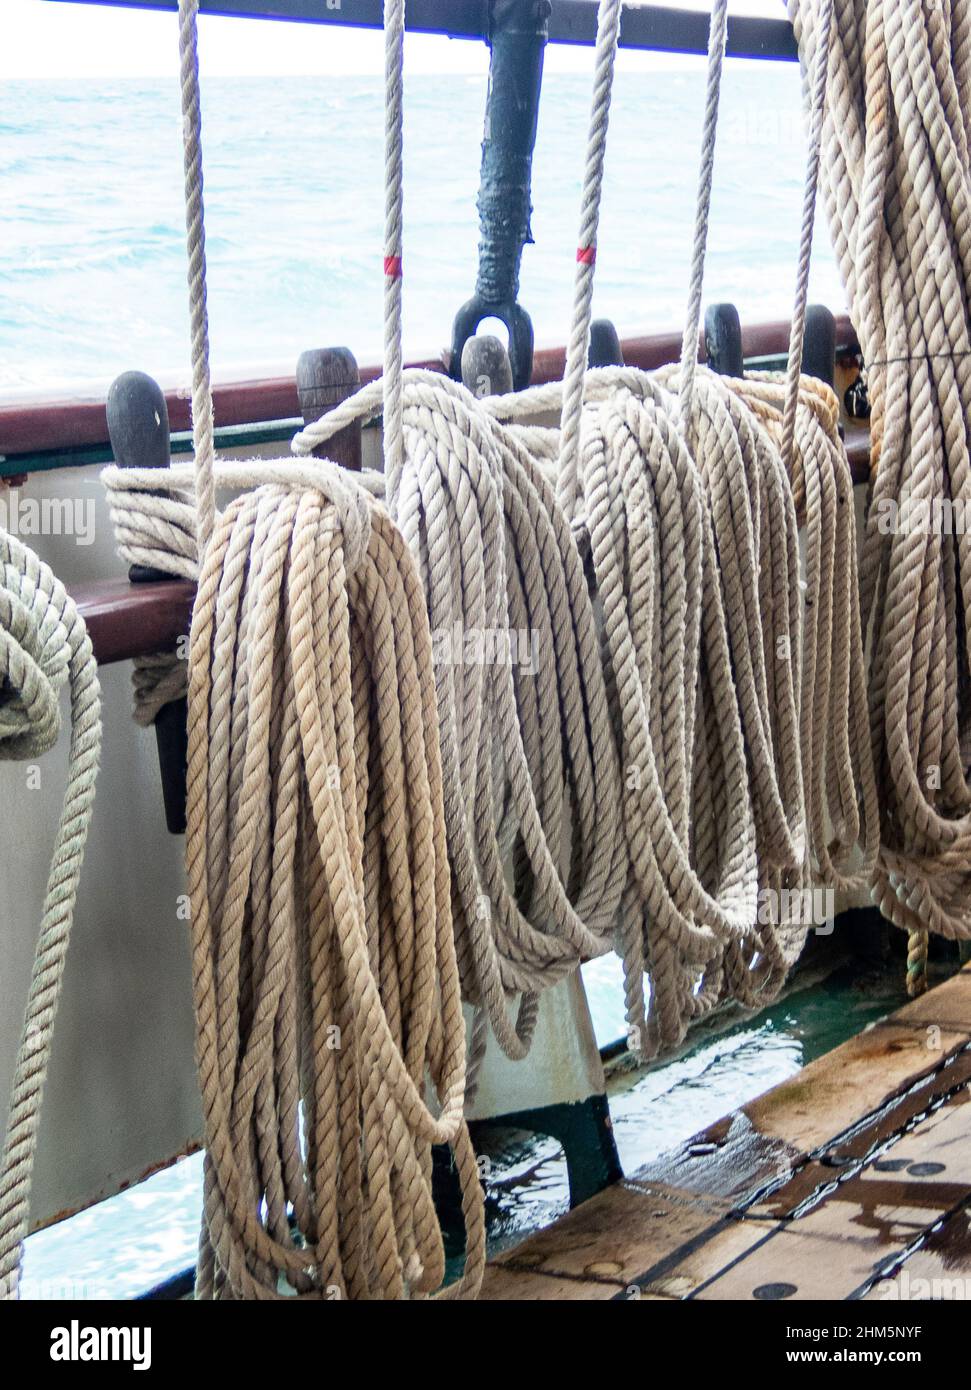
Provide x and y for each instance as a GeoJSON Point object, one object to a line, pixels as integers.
{"type": "Point", "coordinates": [897, 187]}
{"type": "Point", "coordinates": [531, 772]}
{"type": "Point", "coordinates": [531, 768]}
{"type": "Point", "coordinates": [324, 966]}
{"type": "Point", "coordinates": [44, 647]}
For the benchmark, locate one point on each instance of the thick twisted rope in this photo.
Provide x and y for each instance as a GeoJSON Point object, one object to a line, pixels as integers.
{"type": "Point", "coordinates": [753, 527]}
{"type": "Point", "coordinates": [394, 52]}
{"type": "Point", "coordinates": [195, 225]}
{"type": "Point", "coordinates": [160, 678]}
{"type": "Point", "coordinates": [898, 193]}
{"type": "Point", "coordinates": [842, 813]}
{"type": "Point", "coordinates": [756, 535]}
{"type": "Point", "coordinates": [608, 30]}
{"type": "Point", "coordinates": [797, 333]}
{"type": "Point", "coordinates": [308, 600]}
{"type": "Point", "coordinates": [44, 646]}
{"type": "Point", "coordinates": [717, 34]}
{"type": "Point", "coordinates": [326, 986]}
{"type": "Point", "coordinates": [531, 750]}
{"type": "Point", "coordinates": [690, 906]}
{"type": "Point", "coordinates": [324, 964]}
{"type": "Point", "coordinates": [528, 751]}
{"type": "Point", "coordinates": [802, 418]}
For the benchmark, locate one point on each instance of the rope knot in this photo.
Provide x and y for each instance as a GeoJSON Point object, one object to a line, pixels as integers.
{"type": "Point", "coordinates": [353, 506]}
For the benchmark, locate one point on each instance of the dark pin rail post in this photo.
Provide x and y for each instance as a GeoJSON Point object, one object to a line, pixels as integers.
{"type": "Point", "coordinates": [325, 377]}
{"type": "Point", "coordinates": [723, 340]}
{"type": "Point", "coordinates": [605, 349]}
{"type": "Point", "coordinates": [517, 39]}
{"type": "Point", "coordinates": [138, 428]}
{"type": "Point", "coordinates": [819, 347]}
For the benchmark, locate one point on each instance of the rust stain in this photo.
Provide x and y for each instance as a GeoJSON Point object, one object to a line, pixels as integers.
{"type": "Point", "coordinates": [193, 1146]}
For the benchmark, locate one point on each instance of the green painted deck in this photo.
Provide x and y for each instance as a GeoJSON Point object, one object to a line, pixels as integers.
{"type": "Point", "coordinates": [851, 1180]}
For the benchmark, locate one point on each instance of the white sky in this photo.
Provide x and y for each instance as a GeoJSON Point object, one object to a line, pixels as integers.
{"type": "Point", "coordinates": [49, 38]}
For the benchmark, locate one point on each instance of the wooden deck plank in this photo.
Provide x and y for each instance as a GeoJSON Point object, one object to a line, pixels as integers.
{"type": "Point", "coordinates": [812, 1264]}
{"type": "Point", "coordinates": [846, 1154]}
{"type": "Point", "coordinates": [768, 1139]}
{"type": "Point", "coordinates": [947, 1005]}
{"type": "Point", "coordinates": [869, 1149]}
{"type": "Point", "coordinates": [609, 1240]}
{"type": "Point", "coordinates": [861, 1076]}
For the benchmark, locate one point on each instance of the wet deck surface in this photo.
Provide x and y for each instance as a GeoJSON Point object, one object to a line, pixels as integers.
{"type": "Point", "coordinates": [852, 1180]}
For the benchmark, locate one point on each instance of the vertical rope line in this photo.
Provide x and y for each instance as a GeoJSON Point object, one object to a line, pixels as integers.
{"type": "Point", "coordinates": [717, 31]}
{"type": "Point", "coordinates": [394, 52]}
{"type": "Point", "coordinates": [608, 30]}
{"type": "Point", "coordinates": [43, 642]}
{"type": "Point", "coordinates": [202, 417]}
{"type": "Point", "coordinates": [797, 332]}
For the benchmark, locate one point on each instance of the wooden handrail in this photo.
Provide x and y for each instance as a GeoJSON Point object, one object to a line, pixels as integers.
{"type": "Point", "coordinates": [127, 620]}
{"type": "Point", "coordinates": [28, 427]}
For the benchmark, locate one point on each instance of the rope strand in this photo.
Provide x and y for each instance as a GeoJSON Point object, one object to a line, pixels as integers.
{"type": "Point", "coordinates": [43, 646]}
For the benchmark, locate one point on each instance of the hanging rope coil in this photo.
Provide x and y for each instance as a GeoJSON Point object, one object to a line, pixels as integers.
{"type": "Point", "coordinates": [690, 908]}
{"type": "Point", "coordinates": [326, 985]}
{"type": "Point", "coordinates": [320, 910]}
{"type": "Point", "coordinates": [324, 965]}
{"type": "Point", "coordinates": [842, 814]}
{"type": "Point", "coordinates": [44, 646]}
{"type": "Point", "coordinates": [898, 194]}
{"type": "Point", "coordinates": [530, 764]}
{"type": "Point", "coordinates": [756, 537]}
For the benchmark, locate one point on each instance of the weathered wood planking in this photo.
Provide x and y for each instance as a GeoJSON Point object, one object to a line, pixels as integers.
{"type": "Point", "coordinates": [841, 1183]}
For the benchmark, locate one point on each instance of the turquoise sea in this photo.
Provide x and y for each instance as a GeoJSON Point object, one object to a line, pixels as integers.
{"type": "Point", "coordinates": [92, 257]}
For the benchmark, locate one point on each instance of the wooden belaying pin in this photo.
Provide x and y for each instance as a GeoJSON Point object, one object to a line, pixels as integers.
{"type": "Point", "coordinates": [138, 428]}
{"type": "Point", "coordinates": [819, 344]}
{"type": "Point", "coordinates": [325, 377]}
{"type": "Point", "coordinates": [605, 349]}
{"type": "Point", "coordinates": [723, 340]}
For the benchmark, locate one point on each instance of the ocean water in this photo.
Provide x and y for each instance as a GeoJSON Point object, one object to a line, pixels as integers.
{"type": "Point", "coordinates": [92, 256]}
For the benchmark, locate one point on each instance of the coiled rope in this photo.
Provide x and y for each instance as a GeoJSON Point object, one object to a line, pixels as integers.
{"type": "Point", "coordinates": [842, 813]}
{"type": "Point", "coordinates": [325, 979]}
{"type": "Point", "coordinates": [898, 194]}
{"type": "Point", "coordinates": [527, 746]}
{"type": "Point", "coordinates": [44, 646]}
{"type": "Point", "coordinates": [324, 964]}
{"type": "Point", "coordinates": [754, 682]}
{"type": "Point", "coordinates": [625, 479]}
{"type": "Point", "coordinates": [529, 757]}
